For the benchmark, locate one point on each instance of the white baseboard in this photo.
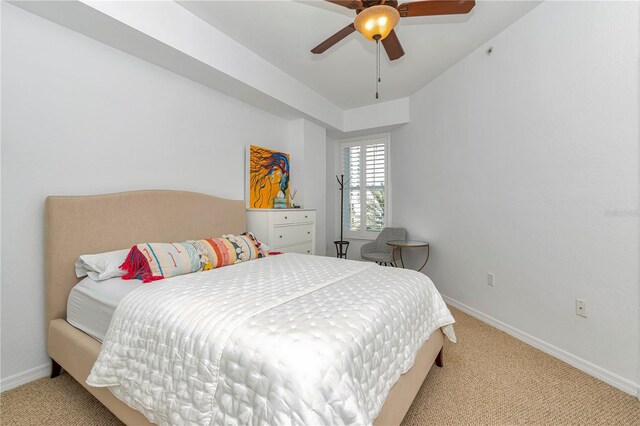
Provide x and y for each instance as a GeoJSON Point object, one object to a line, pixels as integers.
{"type": "Point", "coordinates": [591, 369]}
{"type": "Point", "coordinates": [25, 377]}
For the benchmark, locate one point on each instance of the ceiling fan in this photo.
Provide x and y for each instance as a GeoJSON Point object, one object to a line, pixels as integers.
{"type": "Point", "coordinates": [375, 19]}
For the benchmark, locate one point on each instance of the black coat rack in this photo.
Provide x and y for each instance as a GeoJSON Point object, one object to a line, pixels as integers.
{"type": "Point", "coordinates": [341, 245]}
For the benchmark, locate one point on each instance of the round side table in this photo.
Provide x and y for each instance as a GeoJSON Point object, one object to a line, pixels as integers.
{"type": "Point", "coordinates": [400, 244]}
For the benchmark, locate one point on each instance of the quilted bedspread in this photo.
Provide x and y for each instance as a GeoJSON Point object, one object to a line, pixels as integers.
{"type": "Point", "coordinates": [290, 339]}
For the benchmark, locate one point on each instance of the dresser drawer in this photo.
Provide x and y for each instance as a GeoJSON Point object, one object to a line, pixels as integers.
{"type": "Point", "coordinates": [306, 248]}
{"type": "Point", "coordinates": [284, 230]}
{"type": "Point", "coordinates": [289, 217]}
{"type": "Point", "coordinates": [292, 234]}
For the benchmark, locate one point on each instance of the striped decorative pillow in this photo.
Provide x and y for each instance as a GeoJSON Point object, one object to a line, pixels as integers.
{"type": "Point", "coordinates": [155, 261]}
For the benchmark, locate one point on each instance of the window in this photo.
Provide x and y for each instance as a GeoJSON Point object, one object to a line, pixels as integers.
{"type": "Point", "coordinates": [365, 169]}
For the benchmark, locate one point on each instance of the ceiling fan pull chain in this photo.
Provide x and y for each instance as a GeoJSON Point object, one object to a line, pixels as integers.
{"type": "Point", "coordinates": [377, 66]}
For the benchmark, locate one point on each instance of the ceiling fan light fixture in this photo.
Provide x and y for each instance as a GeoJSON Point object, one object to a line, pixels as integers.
{"type": "Point", "coordinates": [376, 22]}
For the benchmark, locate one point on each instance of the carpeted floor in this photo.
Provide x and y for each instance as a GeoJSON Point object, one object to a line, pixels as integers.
{"type": "Point", "coordinates": [488, 378]}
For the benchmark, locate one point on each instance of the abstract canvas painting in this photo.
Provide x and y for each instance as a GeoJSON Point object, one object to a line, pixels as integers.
{"type": "Point", "coordinates": [268, 183]}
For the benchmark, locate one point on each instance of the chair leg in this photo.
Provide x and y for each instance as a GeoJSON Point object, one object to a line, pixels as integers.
{"type": "Point", "coordinates": [56, 369]}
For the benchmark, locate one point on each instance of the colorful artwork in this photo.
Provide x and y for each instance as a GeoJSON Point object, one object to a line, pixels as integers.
{"type": "Point", "coordinates": [269, 176]}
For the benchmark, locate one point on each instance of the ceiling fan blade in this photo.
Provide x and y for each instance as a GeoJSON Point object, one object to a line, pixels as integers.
{"type": "Point", "coordinates": [322, 47]}
{"type": "Point", "coordinates": [392, 46]}
{"type": "Point", "coordinates": [436, 7]}
{"type": "Point", "coordinates": [349, 4]}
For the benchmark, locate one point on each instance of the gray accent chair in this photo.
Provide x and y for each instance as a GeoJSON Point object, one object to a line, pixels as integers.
{"type": "Point", "coordinates": [378, 251]}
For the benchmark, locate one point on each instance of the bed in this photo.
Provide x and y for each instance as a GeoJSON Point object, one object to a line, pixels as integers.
{"type": "Point", "coordinates": [77, 225]}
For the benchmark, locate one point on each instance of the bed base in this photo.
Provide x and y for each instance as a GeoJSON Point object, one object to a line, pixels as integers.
{"type": "Point", "coordinates": [76, 351]}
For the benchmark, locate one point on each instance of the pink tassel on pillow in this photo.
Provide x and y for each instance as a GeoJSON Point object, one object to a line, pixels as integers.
{"type": "Point", "coordinates": [137, 267]}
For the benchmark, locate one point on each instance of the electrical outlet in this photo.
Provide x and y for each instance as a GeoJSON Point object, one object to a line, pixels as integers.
{"type": "Point", "coordinates": [491, 278]}
{"type": "Point", "coordinates": [581, 307]}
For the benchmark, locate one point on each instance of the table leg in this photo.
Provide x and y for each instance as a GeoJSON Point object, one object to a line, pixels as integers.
{"type": "Point", "coordinates": [427, 259]}
{"type": "Point", "coordinates": [401, 261]}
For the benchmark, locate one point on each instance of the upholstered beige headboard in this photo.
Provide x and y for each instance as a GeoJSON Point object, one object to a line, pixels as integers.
{"type": "Point", "coordinates": [76, 225]}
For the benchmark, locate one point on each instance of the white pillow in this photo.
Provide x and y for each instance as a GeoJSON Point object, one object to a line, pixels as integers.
{"type": "Point", "coordinates": [101, 266]}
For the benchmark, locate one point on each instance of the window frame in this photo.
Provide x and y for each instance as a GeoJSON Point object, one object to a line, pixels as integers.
{"type": "Point", "coordinates": [362, 142]}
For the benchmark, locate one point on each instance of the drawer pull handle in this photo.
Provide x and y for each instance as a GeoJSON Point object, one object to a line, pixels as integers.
{"type": "Point", "coordinates": [308, 251]}
{"type": "Point", "coordinates": [286, 217]}
{"type": "Point", "coordinates": [305, 216]}
{"type": "Point", "coordinates": [308, 232]}
{"type": "Point", "coordinates": [280, 236]}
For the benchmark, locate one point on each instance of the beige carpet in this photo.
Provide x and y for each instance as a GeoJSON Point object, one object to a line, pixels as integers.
{"type": "Point", "coordinates": [488, 378]}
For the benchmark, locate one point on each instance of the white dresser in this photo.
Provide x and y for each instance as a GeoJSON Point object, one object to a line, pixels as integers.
{"type": "Point", "coordinates": [285, 230]}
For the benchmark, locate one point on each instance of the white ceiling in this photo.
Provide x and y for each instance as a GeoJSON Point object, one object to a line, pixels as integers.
{"type": "Point", "coordinates": [284, 32]}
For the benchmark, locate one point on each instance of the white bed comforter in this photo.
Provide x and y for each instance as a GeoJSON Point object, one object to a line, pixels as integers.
{"type": "Point", "coordinates": [291, 339]}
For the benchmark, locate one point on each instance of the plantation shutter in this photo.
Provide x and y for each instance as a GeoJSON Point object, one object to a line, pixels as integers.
{"type": "Point", "coordinates": [353, 207]}
{"type": "Point", "coordinates": [375, 193]}
{"type": "Point", "coordinates": [365, 171]}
